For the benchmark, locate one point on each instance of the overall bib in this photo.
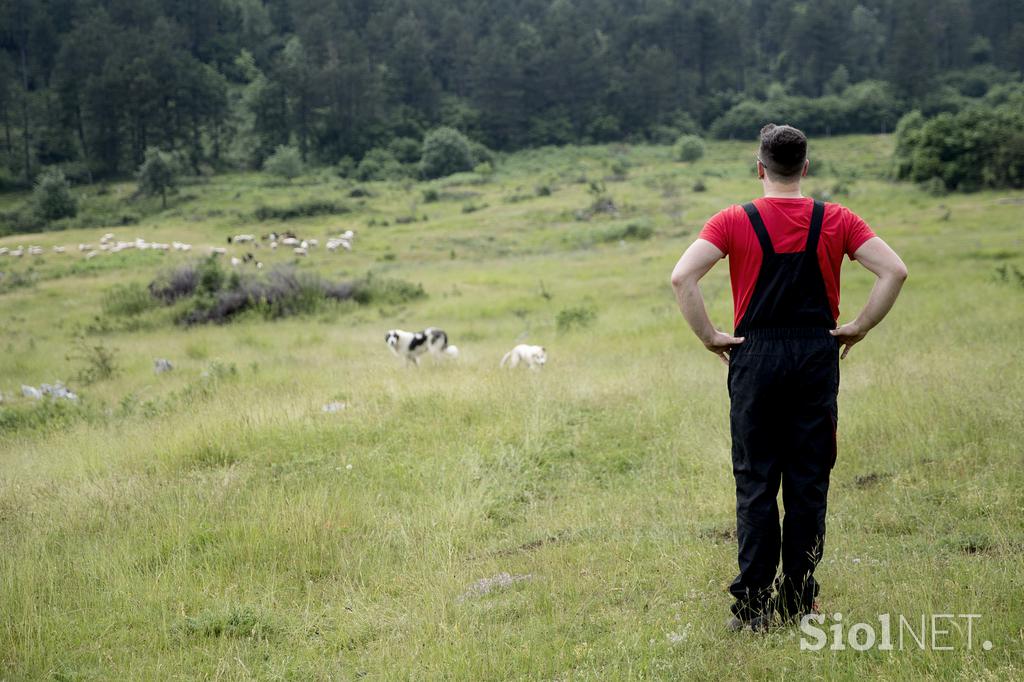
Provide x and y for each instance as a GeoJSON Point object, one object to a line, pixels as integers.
{"type": "Point", "coordinates": [783, 385]}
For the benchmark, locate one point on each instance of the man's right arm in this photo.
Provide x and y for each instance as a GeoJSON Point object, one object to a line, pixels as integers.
{"type": "Point", "coordinates": [888, 267]}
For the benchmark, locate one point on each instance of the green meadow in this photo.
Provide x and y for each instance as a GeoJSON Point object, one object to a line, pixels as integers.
{"type": "Point", "coordinates": [457, 521]}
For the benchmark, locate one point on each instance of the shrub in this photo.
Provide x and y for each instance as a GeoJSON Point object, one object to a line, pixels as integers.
{"type": "Point", "coordinates": [157, 174]}
{"type": "Point", "coordinates": [305, 209]}
{"type": "Point", "coordinates": [479, 154]}
{"type": "Point", "coordinates": [346, 167]}
{"type": "Point", "coordinates": [382, 290]}
{"type": "Point", "coordinates": [431, 195]}
{"type": "Point", "coordinates": [181, 282]}
{"type": "Point", "coordinates": [632, 231]}
{"type": "Point", "coordinates": [699, 186]}
{"type": "Point", "coordinates": [979, 147]}
{"type": "Point", "coordinates": [285, 162]}
{"type": "Point", "coordinates": [689, 148]}
{"type": "Point", "coordinates": [379, 164]}
{"type": "Point", "coordinates": [127, 300]}
{"type": "Point", "coordinates": [51, 198]}
{"type": "Point", "coordinates": [577, 317]}
{"type": "Point", "coordinates": [405, 149]}
{"type": "Point", "coordinates": [445, 151]}
{"type": "Point", "coordinates": [99, 362]}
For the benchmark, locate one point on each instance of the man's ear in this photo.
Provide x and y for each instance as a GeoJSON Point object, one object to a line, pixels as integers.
{"type": "Point", "coordinates": [760, 170]}
{"type": "Point", "coordinates": [807, 165]}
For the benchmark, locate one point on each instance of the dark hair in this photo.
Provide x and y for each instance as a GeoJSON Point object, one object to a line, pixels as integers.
{"type": "Point", "coordinates": [783, 151]}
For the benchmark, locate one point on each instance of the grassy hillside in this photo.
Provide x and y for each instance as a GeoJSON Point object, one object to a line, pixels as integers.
{"type": "Point", "coordinates": [214, 522]}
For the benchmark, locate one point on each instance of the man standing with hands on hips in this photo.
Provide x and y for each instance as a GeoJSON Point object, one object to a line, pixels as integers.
{"type": "Point", "coordinates": [785, 253]}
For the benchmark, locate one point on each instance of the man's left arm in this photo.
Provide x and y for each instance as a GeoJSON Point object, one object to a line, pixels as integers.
{"type": "Point", "coordinates": [692, 266]}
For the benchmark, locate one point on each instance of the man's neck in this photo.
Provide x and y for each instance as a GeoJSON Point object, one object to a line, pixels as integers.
{"type": "Point", "coordinates": [780, 191]}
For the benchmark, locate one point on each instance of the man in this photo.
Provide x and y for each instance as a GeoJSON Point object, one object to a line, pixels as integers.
{"type": "Point", "coordinates": [785, 253]}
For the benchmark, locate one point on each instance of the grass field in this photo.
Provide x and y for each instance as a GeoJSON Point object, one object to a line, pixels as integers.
{"type": "Point", "coordinates": [213, 523]}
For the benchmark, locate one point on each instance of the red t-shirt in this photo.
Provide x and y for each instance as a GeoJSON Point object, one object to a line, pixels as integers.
{"type": "Point", "coordinates": [787, 222]}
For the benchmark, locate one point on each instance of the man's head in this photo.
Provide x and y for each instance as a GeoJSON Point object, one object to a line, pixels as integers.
{"type": "Point", "coordinates": [783, 153]}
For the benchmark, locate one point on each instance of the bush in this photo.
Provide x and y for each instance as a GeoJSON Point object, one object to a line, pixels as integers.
{"type": "Point", "coordinates": [578, 317]}
{"type": "Point", "coordinates": [127, 300]}
{"type": "Point", "coordinates": [380, 290]}
{"type": "Point", "coordinates": [379, 164]}
{"type": "Point", "coordinates": [285, 162]}
{"type": "Point", "coordinates": [99, 362]}
{"type": "Point", "coordinates": [445, 151]}
{"type": "Point", "coordinates": [181, 282]}
{"type": "Point", "coordinates": [346, 167]}
{"type": "Point", "coordinates": [51, 198]}
{"type": "Point", "coordinates": [157, 174]}
{"type": "Point", "coordinates": [689, 148]}
{"type": "Point", "coordinates": [405, 149]}
{"type": "Point", "coordinates": [632, 231]}
{"type": "Point", "coordinates": [480, 154]}
{"type": "Point", "coordinates": [305, 209]}
{"type": "Point", "coordinates": [979, 147]}
{"type": "Point", "coordinates": [218, 297]}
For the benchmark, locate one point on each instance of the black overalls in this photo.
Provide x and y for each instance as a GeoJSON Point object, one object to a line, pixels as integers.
{"type": "Point", "coordinates": [783, 384]}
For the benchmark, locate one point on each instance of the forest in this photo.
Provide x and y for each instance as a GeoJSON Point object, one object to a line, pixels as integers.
{"type": "Point", "coordinates": [89, 85]}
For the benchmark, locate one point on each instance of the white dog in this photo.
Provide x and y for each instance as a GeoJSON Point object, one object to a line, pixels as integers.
{"type": "Point", "coordinates": [411, 345]}
{"type": "Point", "coordinates": [533, 356]}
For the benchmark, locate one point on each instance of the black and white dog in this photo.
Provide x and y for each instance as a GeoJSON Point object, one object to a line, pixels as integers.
{"type": "Point", "coordinates": [411, 345]}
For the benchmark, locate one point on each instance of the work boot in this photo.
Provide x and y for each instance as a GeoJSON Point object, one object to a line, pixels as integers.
{"type": "Point", "coordinates": [756, 624]}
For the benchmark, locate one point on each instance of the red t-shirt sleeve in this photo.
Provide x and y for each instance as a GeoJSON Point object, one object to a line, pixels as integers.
{"type": "Point", "coordinates": [717, 231]}
{"type": "Point", "coordinates": [856, 233]}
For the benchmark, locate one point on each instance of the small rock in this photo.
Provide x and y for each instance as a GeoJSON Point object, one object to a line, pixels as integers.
{"type": "Point", "coordinates": [333, 407]}
{"type": "Point", "coordinates": [31, 392]}
{"type": "Point", "coordinates": [161, 365]}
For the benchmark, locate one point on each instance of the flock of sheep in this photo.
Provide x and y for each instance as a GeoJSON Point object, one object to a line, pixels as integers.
{"type": "Point", "coordinates": [108, 243]}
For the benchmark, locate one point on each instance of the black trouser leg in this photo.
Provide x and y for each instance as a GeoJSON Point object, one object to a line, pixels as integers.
{"type": "Point", "coordinates": [756, 462]}
{"type": "Point", "coordinates": [805, 478]}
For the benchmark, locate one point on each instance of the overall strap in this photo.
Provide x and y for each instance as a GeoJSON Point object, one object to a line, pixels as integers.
{"type": "Point", "coordinates": [759, 228]}
{"type": "Point", "coordinates": [817, 216]}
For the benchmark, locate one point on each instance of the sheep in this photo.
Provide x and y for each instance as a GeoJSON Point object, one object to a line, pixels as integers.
{"type": "Point", "coordinates": [218, 251]}
{"type": "Point", "coordinates": [109, 236]}
{"type": "Point", "coordinates": [85, 247]}
{"type": "Point", "coordinates": [18, 252]}
{"type": "Point", "coordinates": [91, 254]}
{"type": "Point", "coordinates": [333, 244]}
{"type": "Point", "coordinates": [304, 244]}
{"type": "Point", "coordinates": [235, 262]}
{"type": "Point", "coordinates": [179, 246]}
{"type": "Point", "coordinates": [31, 392]}
{"type": "Point", "coordinates": [314, 242]}
{"type": "Point", "coordinates": [290, 241]}
{"type": "Point", "coordinates": [34, 250]}
{"type": "Point", "coordinates": [299, 251]}
{"type": "Point", "coordinates": [273, 245]}
{"type": "Point", "coordinates": [241, 239]}
{"type": "Point", "coordinates": [58, 249]}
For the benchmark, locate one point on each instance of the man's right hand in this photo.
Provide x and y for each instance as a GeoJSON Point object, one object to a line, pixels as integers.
{"type": "Point", "coordinates": [847, 335]}
{"type": "Point", "coordinates": [721, 343]}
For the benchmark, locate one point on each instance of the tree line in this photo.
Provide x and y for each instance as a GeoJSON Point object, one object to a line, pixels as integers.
{"type": "Point", "coordinates": [90, 85]}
